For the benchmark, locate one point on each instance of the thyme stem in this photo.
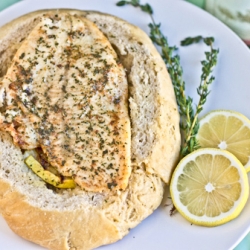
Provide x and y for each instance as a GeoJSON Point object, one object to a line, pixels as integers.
{"type": "Point", "coordinates": [189, 124]}
{"type": "Point", "coordinates": [189, 118]}
{"type": "Point", "coordinates": [190, 142]}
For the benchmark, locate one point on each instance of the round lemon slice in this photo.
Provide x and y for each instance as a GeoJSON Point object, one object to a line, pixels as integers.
{"type": "Point", "coordinates": [227, 130]}
{"type": "Point", "coordinates": [209, 187]}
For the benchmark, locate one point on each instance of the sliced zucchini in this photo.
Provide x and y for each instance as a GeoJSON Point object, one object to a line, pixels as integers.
{"type": "Point", "coordinates": [47, 176]}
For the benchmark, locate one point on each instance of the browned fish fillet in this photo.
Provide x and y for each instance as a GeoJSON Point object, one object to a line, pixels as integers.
{"type": "Point", "coordinates": [67, 93]}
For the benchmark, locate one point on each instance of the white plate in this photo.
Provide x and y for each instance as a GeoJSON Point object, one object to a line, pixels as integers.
{"type": "Point", "coordinates": [231, 90]}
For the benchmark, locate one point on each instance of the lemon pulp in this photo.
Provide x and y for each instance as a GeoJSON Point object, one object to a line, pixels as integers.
{"type": "Point", "coordinates": [226, 130]}
{"type": "Point", "coordinates": [209, 187]}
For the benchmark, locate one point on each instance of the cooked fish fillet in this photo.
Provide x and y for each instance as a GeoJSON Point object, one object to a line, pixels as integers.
{"type": "Point", "coordinates": [66, 92]}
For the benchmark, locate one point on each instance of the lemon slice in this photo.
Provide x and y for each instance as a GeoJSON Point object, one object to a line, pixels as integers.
{"type": "Point", "coordinates": [227, 130]}
{"type": "Point", "coordinates": [209, 187]}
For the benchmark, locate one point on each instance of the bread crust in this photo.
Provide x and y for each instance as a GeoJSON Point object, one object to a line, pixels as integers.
{"type": "Point", "coordinates": [55, 229]}
{"type": "Point", "coordinates": [164, 122]}
{"type": "Point", "coordinates": [106, 218]}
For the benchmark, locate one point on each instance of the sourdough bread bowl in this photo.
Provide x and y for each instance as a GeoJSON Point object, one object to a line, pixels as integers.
{"type": "Point", "coordinates": [80, 219]}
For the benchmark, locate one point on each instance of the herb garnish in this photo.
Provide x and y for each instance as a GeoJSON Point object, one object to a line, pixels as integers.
{"type": "Point", "coordinates": [189, 124]}
{"type": "Point", "coordinates": [189, 117]}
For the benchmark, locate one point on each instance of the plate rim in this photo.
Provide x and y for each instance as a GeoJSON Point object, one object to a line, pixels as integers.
{"type": "Point", "coordinates": [25, 2]}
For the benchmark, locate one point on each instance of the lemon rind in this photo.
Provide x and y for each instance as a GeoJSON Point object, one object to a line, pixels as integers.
{"type": "Point", "coordinates": [226, 112]}
{"type": "Point", "coordinates": [232, 213]}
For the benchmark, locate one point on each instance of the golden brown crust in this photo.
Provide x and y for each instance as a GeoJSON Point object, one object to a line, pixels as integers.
{"type": "Point", "coordinates": [44, 217]}
{"type": "Point", "coordinates": [53, 229]}
{"type": "Point", "coordinates": [61, 226]}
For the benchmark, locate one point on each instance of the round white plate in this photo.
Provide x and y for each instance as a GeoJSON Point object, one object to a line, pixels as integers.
{"type": "Point", "coordinates": [231, 90]}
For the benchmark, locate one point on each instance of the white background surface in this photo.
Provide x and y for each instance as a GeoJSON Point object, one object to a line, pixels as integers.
{"type": "Point", "coordinates": [231, 90]}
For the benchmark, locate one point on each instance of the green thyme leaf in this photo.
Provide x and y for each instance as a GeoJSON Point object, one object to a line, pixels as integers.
{"type": "Point", "coordinates": [121, 3]}
{"type": "Point", "coordinates": [190, 40]}
{"type": "Point", "coordinates": [189, 124]}
{"type": "Point", "coordinates": [147, 8]}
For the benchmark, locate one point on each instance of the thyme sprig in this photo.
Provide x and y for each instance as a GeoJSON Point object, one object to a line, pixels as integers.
{"type": "Point", "coordinates": [189, 117]}
{"type": "Point", "coordinates": [190, 125]}
{"type": "Point", "coordinates": [136, 3]}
